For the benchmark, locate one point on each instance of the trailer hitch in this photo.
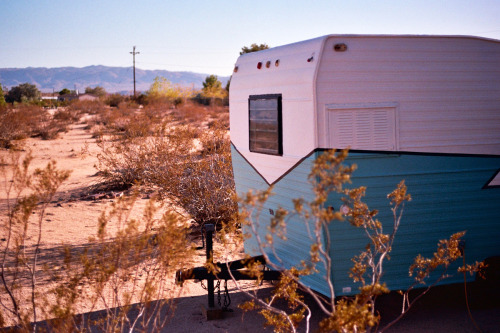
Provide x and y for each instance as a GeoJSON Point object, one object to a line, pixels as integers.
{"type": "Point", "coordinates": [225, 271]}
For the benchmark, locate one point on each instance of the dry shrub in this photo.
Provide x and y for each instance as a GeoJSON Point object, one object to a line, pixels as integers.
{"type": "Point", "coordinates": [172, 151]}
{"type": "Point", "coordinates": [190, 166]}
{"type": "Point", "coordinates": [126, 122]}
{"type": "Point", "coordinates": [355, 313]}
{"type": "Point", "coordinates": [113, 119]}
{"type": "Point", "coordinates": [115, 99]}
{"type": "Point", "coordinates": [158, 109]}
{"type": "Point", "coordinates": [143, 123]}
{"type": "Point", "coordinates": [207, 187]}
{"type": "Point", "coordinates": [89, 107]}
{"type": "Point", "coordinates": [47, 126]}
{"type": "Point", "coordinates": [129, 269]}
{"type": "Point", "coordinates": [67, 116]}
{"type": "Point", "coordinates": [219, 116]}
{"type": "Point", "coordinates": [28, 195]}
{"type": "Point", "coordinates": [12, 126]}
{"type": "Point", "coordinates": [124, 272]}
{"type": "Point", "coordinates": [190, 113]}
{"type": "Point", "coordinates": [30, 121]}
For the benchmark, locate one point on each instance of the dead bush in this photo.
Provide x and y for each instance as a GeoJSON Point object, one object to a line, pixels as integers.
{"type": "Point", "coordinates": [30, 121]}
{"type": "Point", "coordinates": [219, 117]}
{"type": "Point", "coordinates": [115, 271]}
{"type": "Point", "coordinates": [28, 194]}
{"type": "Point", "coordinates": [190, 166]}
{"type": "Point", "coordinates": [115, 100]}
{"type": "Point", "coordinates": [190, 113]}
{"type": "Point", "coordinates": [89, 107]}
{"type": "Point", "coordinates": [12, 126]}
{"type": "Point", "coordinates": [48, 127]}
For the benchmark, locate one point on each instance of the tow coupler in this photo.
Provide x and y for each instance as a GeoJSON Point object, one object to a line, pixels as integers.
{"type": "Point", "coordinates": [226, 271]}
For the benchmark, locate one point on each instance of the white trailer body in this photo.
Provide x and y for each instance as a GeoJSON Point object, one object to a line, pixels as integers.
{"type": "Point", "coordinates": [421, 108]}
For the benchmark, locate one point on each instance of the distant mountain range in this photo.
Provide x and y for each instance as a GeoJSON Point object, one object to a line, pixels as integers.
{"type": "Point", "coordinates": [112, 79]}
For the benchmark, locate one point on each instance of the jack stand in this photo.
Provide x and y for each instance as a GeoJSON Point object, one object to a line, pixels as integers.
{"type": "Point", "coordinates": [236, 270]}
{"type": "Point", "coordinates": [211, 312]}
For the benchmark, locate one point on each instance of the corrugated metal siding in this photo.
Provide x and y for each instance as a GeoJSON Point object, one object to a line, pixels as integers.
{"type": "Point", "coordinates": [293, 185]}
{"type": "Point", "coordinates": [448, 89]}
{"type": "Point", "coordinates": [447, 198]}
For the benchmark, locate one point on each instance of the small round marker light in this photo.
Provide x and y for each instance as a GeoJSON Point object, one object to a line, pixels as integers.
{"type": "Point", "coordinates": [340, 47]}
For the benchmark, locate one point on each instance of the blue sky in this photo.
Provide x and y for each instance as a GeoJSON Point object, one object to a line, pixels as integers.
{"type": "Point", "coordinates": [206, 36]}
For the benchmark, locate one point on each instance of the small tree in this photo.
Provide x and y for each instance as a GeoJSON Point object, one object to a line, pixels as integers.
{"type": "Point", "coordinates": [65, 91]}
{"type": "Point", "coordinates": [97, 91]}
{"type": "Point", "coordinates": [25, 92]}
{"type": "Point", "coordinates": [212, 88]}
{"type": "Point", "coordinates": [253, 48]}
{"type": "Point", "coordinates": [164, 90]}
{"type": "Point", "coordinates": [115, 99]}
{"type": "Point", "coordinates": [2, 98]}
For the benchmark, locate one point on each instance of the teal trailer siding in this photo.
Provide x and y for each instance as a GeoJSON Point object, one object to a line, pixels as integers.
{"type": "Point", "coordinates": [292, 185]}
{"type": "Point", "coordinates": [447, 197]}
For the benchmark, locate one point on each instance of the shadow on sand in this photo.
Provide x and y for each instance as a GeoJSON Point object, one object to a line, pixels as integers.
{"type": "Point", "coordinates": [443, 309]}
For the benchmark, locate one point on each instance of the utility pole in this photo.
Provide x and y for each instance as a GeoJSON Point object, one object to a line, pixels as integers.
{"type": "Point", "coordinates": [133, 54]}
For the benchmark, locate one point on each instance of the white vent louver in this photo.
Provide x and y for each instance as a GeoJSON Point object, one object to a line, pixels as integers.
{"type": "Point", "coordinates": [362, 127]}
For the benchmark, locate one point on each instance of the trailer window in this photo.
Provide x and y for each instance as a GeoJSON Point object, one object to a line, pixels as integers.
{"type": "Point", "coordinates": [265, 124]}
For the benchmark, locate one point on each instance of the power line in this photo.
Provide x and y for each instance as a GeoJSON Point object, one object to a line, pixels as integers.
{"type": "Point", "coordinates": [133, 54]}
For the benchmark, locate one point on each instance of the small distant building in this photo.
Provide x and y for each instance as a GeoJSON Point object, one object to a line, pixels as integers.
{"type": "Point", "coordinates": [49, 98]}
{"type": "Point", "coordinates": [67, 97]}
{"type": "Point", "coordinates": [87, 97]}
{"type": "Point", "coordinates": [80, 97]}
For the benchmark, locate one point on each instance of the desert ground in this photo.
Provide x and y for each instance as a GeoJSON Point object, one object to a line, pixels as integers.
{"type": "Point", "coordinates": [73, 217]}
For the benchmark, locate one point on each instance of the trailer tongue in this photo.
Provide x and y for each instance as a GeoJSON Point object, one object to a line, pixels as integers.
{"type": "Point", "coordinates": [233, 270]}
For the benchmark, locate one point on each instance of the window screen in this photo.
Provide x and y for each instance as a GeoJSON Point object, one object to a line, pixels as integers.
{"type": "Point", "coordinates": [265, 124]}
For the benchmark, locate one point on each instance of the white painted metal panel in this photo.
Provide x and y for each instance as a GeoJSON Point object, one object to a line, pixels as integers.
{"type": "Point", "coordinates": [293, 78]}
{"type": "Point", "coordinates": [495, 181]}
{"type": "Point", "coordinates": [447, 88]}
{"type": "Point", "coordinates": [447, 91]}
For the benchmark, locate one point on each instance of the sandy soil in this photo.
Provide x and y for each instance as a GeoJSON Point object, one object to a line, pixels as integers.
{"type": "Point", "coordinates": [72, 218]}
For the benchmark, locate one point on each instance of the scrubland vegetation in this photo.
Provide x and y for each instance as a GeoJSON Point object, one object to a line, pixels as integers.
{"type": "Point", "coordinates": [171, 146]}
{"type": "Point", "coordinates": [32, 121]}
{"type": "Point", "coordinates": [172, 149]}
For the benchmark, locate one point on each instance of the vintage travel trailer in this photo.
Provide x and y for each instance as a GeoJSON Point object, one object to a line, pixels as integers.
{"type": "Point", "coordinates": [425, 109]}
